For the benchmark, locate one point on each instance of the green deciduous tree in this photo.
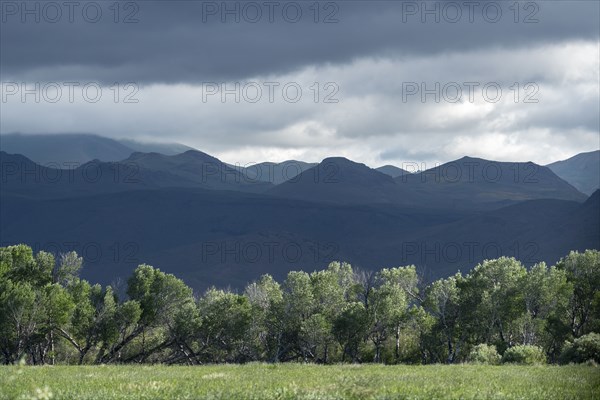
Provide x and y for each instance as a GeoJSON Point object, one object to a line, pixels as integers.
{"type": "Point", "coordinates": [226, 318]}
{"type": "Point", "coordinates": [267, 325]}
{"type": "Point", "coordinates": [492, 301]}
{"type": "Point", "coordinates": [546, 295]}
{"type": "Point", "coordinates": [20, 314]}
{"type": "Point", "coordinates": [443, 301]}
{"type": "Point", "coordinates": [49, 314]}
{"type": "Point", "coordinates": [583, 272]}
{"type": "Point", "coordinates": [351, 328]}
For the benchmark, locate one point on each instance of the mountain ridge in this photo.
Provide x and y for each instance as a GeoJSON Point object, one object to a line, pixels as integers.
{"type": "Point", "coordinates": [69, 148]}
{"type": "Point", "coordinates": [582, 171]}
{"type": "Point", "coordinates": [206, 229]}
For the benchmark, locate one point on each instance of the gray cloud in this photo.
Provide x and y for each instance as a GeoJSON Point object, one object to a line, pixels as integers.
{"type": "Point", "coordinates": [171, 43]}
{"type": "Point", "coordinates": [370, 54]}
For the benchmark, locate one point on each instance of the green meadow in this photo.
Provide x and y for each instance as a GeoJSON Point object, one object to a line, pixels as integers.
{"type": "Point", "coordinates": [300, 381]}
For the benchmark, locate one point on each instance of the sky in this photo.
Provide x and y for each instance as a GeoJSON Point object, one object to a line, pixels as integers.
{"type": "Point", "coordinates": [379, 82]}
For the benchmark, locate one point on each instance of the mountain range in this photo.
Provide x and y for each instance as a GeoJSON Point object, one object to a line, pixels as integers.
{"type": "Point", "coordinates": [64, 150]}
{"type": "Point", "coordinates": [216, 224]}
{"type": "Point", "coordinates": [468, 183]}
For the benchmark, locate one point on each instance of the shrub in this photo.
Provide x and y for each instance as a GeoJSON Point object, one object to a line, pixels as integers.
{"type": "Point", "coordinates": [524, 354]}
{"type": "Point", "coordinates": [484, 354]}
{"type": "Point", "coordinates": [582, 349]}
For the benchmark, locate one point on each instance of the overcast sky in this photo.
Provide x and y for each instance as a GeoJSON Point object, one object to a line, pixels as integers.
{"type": "Point", "coordinates": [380, 82]}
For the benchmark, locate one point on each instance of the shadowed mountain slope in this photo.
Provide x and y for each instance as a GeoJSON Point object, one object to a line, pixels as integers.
{"type": "Point", "coordinates": [193, 169]}
{"type": "Point", "coordinates": [211, 237]}
{"type": "Point", "coordinates": [276, 173]}
{"type": "Point", "coordinates": [172, 211]}
{"type": "Point", "coordinates": [392, 171]}
{"type": "Point", "coordinates": [339, 180]}
{"type": "Point", "coordinates": [581, 171]}
{"type": "Point", "coordinates": [474, 182]}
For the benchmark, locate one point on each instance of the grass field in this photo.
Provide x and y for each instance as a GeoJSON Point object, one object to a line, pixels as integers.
{"type": "Point", "coordinates": [294, 381]}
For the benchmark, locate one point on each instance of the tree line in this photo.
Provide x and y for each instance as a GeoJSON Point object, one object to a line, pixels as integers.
{"type": "Point", "coordinates": [49, 315]}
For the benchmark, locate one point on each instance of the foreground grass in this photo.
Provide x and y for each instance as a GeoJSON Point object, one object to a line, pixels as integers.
{"type": "Point", "coordinates": [294, 381]}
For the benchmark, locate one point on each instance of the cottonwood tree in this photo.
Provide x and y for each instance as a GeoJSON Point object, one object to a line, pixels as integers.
{"type": "Point", "coordinates": [443, 301]}
{"type": "Point", "coordinates": [20, 314]}
{"type": "Point", "coordinates": [31, 307]}
{"type": "Point", "coordinates": [57, 306]}
{"type": "Point", "coordinates": [350, 329]}
{"type": "Point", "coordinates": [493, 300]}
{"type": "Point", "coordinates": [94, 320]}
{"type": "Point", "coordinates": [337, 314]}
{"type": "Point", "coordinates": [583, 272]}
{"type": "Point", "coordinates": [546, 294]}
{"type": "Point", "coordinates": [397, 290]}
{"type": "Point", "coordinates": [267, 325]}
{"type": "Point", "coordinates": [332, 289]}
{"type": "Point", "coordinates": [298, 306]}
{"type": "Point", "coordinates": [225, 318]}
{"type": "Point", "coordinates": [160, 296]}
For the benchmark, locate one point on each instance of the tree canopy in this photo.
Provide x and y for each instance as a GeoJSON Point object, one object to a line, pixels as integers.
{"type": "Point", "coordinates": [500, 310]}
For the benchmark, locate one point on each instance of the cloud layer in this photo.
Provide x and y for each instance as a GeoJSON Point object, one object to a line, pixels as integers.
{"type": "Point", "coordinates": [385, 84]}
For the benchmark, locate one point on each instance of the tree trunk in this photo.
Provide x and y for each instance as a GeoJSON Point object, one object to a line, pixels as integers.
{"type": "Point", "coordinates": [52, 355]}
{"type": "Point", "coordinates": [377, 357]}
{"type": "Point", "coordinates": [397, 349]}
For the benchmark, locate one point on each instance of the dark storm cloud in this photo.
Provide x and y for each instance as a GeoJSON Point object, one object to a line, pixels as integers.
{"type": "Point", "coordinates": [186, 41]}
{"type": "Point", "coordinates": [370, 54]}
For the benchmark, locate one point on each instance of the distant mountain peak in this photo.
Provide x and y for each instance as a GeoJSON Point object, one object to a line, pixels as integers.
{"type": "Point", "coordinates": [347, 164]}
{"type": "Point", "coordinates": [340, 180]}
{"type": "Point", "coordinates": [352, 170]}
{"type": "Point", "coordinates": [341, 160]}
{"type": "Point", "coordinates": [469, 158]}
{"type": "Point", "coordinates": [194, 153]}
{"type": "Point", "coordinates": [581, 171]}
{"type": "Point", "coordinates": [388, 166]}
